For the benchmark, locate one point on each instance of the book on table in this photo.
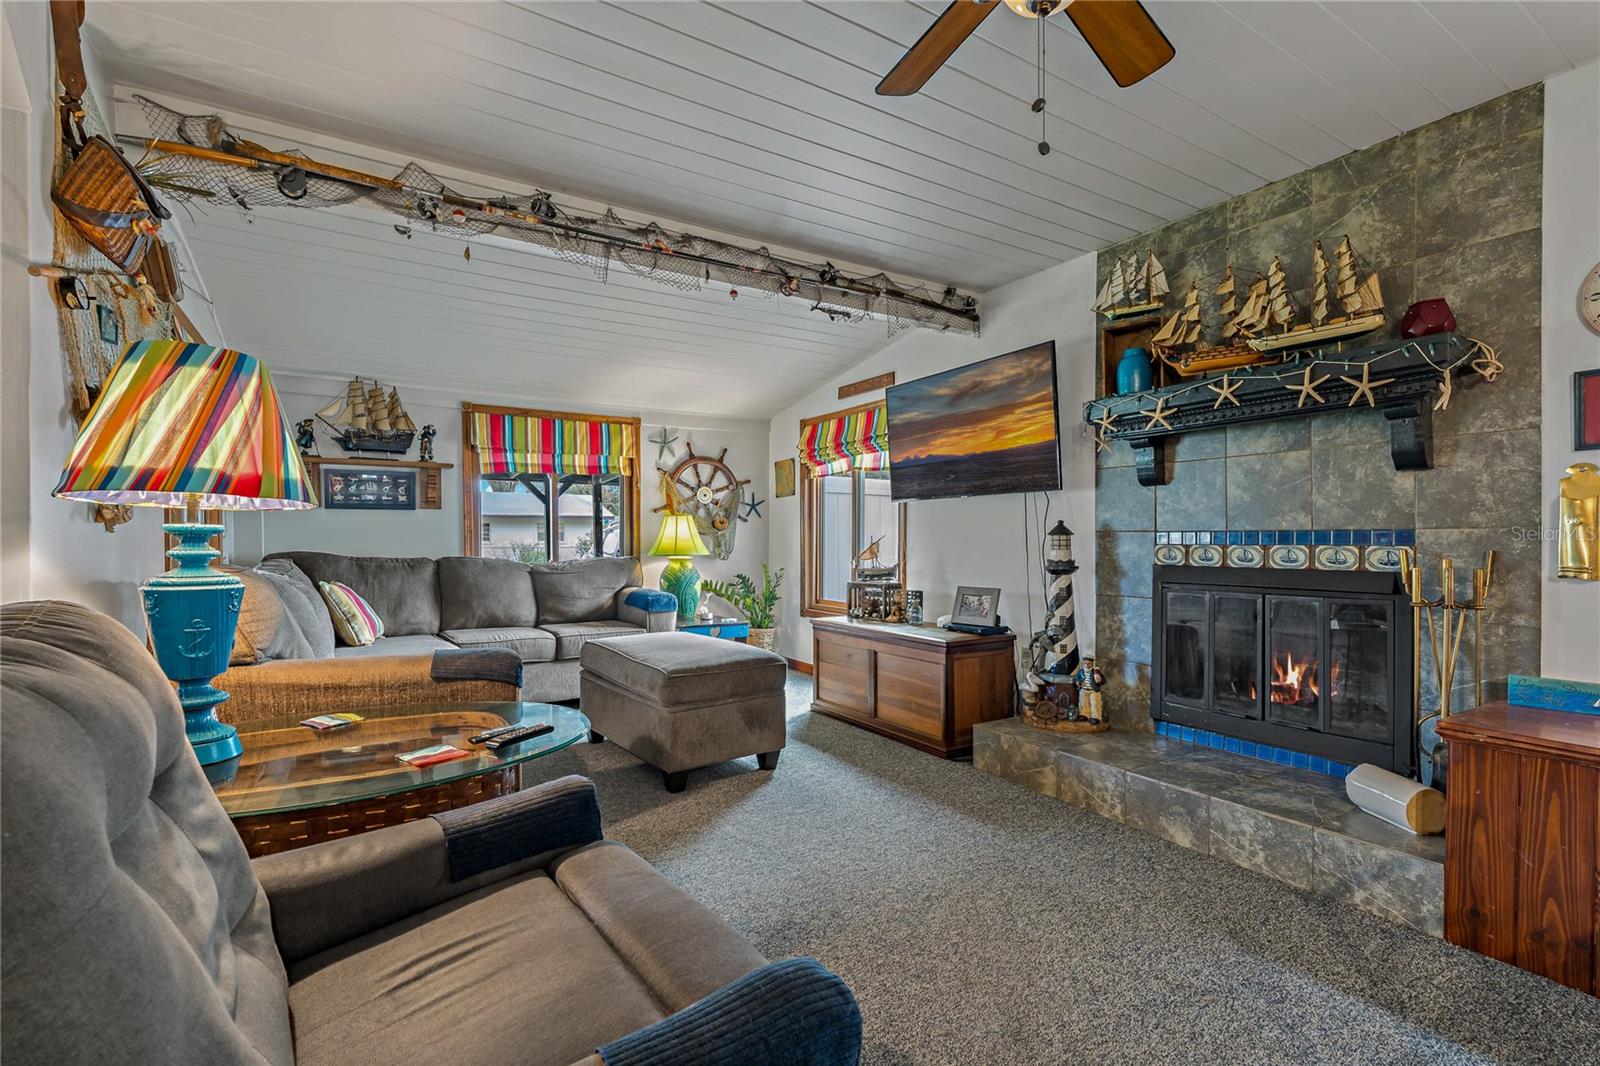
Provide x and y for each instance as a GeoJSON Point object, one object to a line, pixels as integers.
{"type": "Point", "coordinates": [432, 755]}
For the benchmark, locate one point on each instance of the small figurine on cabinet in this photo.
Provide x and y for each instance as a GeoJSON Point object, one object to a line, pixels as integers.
{"type": "Point", "coordinates": [1090, 678]}
{"type": "Point", "coordinates": [425, 448]}
{"type": "Point", "coordinates": [305, 437]}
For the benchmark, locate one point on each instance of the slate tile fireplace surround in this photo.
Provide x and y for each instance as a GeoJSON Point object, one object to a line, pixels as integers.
{"type": "Point", "coordinates": [1317, 662]}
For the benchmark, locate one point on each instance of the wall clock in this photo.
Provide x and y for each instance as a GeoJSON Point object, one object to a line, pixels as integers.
{"type": "Point", "coordinates": [1589, 299]}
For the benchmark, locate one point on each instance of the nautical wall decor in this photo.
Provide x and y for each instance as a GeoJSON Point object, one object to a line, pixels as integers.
{"type": "Point", "coordinates": [363, 419]}
{"type": "Point", "coordinates": [706, 487]}
{"type": "Point", "coordinates": [198, 158]}
{"type": "Point", "coordinates": [369, 490]}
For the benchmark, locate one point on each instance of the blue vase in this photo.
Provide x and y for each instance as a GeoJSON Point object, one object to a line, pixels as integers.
{"type": "Point", "coordinates": [1133, 372]}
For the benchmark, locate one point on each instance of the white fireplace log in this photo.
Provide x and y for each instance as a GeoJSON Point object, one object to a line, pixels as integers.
{"type": "Point", "coordinates": [1397, 800]}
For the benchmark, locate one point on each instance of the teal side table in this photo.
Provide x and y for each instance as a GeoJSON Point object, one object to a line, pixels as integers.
{"type": "Point", "coordinates": [723, 628]}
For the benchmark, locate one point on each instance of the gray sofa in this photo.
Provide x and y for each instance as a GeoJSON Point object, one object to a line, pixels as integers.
{"type": "Point", "coordinates": [545, 613]}
{"type": "Point", "coordinates": [135, 930]}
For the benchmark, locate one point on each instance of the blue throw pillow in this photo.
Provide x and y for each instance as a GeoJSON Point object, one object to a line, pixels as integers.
{"type": "Point", "coordinates": [651, 600]}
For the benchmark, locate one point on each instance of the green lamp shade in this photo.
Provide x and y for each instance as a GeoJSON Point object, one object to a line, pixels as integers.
{"type": "Point", "coordinates": [679, 537]}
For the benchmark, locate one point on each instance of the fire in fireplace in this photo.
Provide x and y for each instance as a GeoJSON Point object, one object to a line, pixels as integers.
{"type": "Point", "coordinates": [1312, 661]}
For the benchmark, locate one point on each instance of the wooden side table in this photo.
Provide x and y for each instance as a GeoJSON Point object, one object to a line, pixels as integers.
{"type": "Point", "coordinates": [723, 628]}
{"type": "Point", "coordinates": [1522, 839]}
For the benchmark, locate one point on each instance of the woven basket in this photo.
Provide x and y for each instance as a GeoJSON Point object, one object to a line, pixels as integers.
{"type": "Point", "coordinates": [104, 200]}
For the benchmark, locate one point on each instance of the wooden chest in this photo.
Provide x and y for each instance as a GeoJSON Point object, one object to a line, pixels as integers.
{"type": "Point", "coordinates": [920, 685]}
{"type": "Point", "coordinates": [1522, 839]}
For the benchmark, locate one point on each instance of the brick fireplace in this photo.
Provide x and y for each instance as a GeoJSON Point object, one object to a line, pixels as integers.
{"type": "Point", "coordinates": [1301, 661]}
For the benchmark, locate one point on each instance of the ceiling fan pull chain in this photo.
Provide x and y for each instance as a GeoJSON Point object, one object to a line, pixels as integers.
{"type": "Point", "coordinates": [1038, 103]}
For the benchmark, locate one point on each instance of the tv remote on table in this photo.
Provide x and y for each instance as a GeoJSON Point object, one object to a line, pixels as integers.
{"type": "Point", "coordinates": [498, 732]}
{"type": "Point", "coordinates": [517, 736]}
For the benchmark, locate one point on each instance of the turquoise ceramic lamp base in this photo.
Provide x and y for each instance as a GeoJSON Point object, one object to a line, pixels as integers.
{"type": "Point", "coordinates": [682, 580]}
{"type": "Point", "coordinates": [192, 611]}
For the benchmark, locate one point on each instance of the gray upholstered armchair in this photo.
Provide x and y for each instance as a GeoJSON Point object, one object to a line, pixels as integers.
{"type": "Point", "coordinates": [136, 930]}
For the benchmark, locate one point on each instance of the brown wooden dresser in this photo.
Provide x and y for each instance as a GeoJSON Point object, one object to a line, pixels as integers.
{"type": "Point", "coordinates": [921, 685]}
{"type": "Point", "coordinates": [1522, 839]}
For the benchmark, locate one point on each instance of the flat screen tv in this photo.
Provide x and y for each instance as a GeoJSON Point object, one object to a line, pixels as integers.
{"type": "Point", "coordinates": [977, 430]}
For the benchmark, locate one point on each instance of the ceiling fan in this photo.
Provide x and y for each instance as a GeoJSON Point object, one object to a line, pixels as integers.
{"type": "Point", "coordinates": [1121, 33]}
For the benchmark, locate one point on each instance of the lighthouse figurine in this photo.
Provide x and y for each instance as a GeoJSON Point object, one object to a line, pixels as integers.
{"type": "Point", "coordinates": [1061, 662]}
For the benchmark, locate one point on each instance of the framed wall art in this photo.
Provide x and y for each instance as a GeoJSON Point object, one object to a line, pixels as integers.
{"type": "Point", "coordinates": [369, 490]}
{"type": "Point", "coordinates": [1586, 410]}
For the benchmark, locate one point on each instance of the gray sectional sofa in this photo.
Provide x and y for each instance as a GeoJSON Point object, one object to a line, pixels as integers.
{"type": "Point", "coordinates": [545, 613]}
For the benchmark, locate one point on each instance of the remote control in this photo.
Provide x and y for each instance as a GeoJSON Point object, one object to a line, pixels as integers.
{"type": "Point", "coordinates": [500, 732]}
{"type": "Point", "coordinates": [505, 740]}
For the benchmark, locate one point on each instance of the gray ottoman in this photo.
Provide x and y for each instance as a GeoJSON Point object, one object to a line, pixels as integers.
{"type": "Point", "coordinates": [681, 701]}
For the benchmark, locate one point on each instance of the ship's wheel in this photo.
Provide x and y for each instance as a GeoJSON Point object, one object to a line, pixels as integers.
{"type": "Point", "coordinates": [707, 488]}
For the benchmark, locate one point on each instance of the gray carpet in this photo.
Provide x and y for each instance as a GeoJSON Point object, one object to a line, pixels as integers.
{"type": "Point", "coordinates": [978, 922]}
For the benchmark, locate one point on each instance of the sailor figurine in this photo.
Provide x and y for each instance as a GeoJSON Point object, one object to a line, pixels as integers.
{"type": "Point", "coordinates": [1089, 678]}
{"type": "Point", "coordinates": [304, 436]}
{"type": "Point", "coordinates": [425, 448]}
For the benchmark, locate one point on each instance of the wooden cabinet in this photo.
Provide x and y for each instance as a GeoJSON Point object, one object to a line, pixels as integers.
{"type": "Point", "coordinates": [1522, 839]}
{"type": "Point", "coordinates": [921, 685]}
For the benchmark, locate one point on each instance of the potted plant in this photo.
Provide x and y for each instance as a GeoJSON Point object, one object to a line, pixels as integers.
{"type": "Point", "coordinates": [759, 606]}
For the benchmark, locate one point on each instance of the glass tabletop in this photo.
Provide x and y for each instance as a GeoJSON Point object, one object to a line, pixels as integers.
{"type": "Point", "coordinates": [297, 768]}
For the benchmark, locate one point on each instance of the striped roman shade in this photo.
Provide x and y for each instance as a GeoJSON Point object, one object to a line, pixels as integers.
{"type": "Point", "coordinates": [537, 444]}
{"type": "Point", "coordinates": [853, 440]}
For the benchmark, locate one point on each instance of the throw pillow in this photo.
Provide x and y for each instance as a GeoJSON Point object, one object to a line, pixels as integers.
{"type": "Point", "coordinates": [266, 630]}
{"type": "Point", "coordinates": [356, 623]}
{"type": "Point", "coordinates": [304, 604]}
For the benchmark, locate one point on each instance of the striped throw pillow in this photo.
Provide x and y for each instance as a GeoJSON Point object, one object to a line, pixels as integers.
{"type": "Point", "coordinates": [353, 619]}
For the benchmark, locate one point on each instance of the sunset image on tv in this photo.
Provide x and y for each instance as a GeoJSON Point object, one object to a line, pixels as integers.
{"type": "Point", "coordinates": [989, 427]}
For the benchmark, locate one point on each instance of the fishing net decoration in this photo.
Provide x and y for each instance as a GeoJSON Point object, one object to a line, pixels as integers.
{"type": "Point", "coordinates": [683, 261]}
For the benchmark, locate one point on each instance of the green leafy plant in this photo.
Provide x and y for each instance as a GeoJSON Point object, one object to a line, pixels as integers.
{"type": "Point", "coordinates": [759, 606]}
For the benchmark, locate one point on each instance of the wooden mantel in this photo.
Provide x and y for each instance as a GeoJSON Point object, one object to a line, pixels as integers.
{"type": "Point", "coordinates": [1405, 400]}
{"type": "Point", "coordinates": [430, 493]}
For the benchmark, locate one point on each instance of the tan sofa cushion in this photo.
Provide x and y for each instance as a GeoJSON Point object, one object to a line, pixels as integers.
{"type": "Point", "coordinates": [512, 973]}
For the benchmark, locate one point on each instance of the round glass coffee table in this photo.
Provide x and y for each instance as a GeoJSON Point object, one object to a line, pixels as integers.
{"type": "Point", "coordinates": [296, 786]}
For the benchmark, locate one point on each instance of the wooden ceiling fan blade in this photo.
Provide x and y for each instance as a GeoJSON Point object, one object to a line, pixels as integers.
{"type": "Point", "coordinates": [1123, 35]}
{"type": "Point", "coordinates": [935, 46]}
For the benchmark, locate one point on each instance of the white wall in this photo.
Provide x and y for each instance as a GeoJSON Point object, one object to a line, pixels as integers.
{"type": "Point", "coordinates": [976, 541]}
{"type": "Point", "coordinates": [52, 549]}
{"type": "Point", "coordinates": [1571, 609]}
{"type": "Point", "coordinates": [437, 533]}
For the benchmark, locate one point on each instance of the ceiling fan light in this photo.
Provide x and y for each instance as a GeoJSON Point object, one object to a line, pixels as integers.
{"type": "Point", "coordinates": [1032, 9]}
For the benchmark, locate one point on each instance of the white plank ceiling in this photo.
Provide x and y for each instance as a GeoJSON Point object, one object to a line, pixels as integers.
{"type": "Point", "coordinates": [759, 119]}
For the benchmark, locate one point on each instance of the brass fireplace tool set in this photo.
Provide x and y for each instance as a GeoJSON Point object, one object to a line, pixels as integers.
{"type": "Point", "coordinates": [1445, 630]}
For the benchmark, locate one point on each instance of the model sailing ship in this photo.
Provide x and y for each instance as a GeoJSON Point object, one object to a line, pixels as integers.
{"type": "Point", "coordinates": [1267, 322]}
{"type": "Point", "coordinates": [1133, 289]}
{"type": "Point", "coordinates": [365, 420]}
{"type": "Point", "coordinates": [1177, 342]}
{"type": "Point", "coordinates": [1361, 300]}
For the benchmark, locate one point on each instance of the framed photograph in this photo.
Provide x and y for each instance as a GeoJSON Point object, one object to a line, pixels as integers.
{"type": "Point", "coordinates": [1586, 410]}
{"type": "Point", "coordinates": [783, 478]}
{"type": "Point", "coordinates": [108, 322]}
{"type": "Point", "coordinates": [369, 490]}
{"type": "Point", "coordinates": [976, 606]}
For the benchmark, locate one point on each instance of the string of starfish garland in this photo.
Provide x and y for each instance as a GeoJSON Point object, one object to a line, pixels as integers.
{"type": "Point", "coordinates": [1480, 357]}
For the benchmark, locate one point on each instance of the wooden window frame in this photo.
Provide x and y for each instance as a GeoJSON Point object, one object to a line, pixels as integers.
{"type": "Point", "coordinates": [812, 605]}
{"type": "Point", "coordinates": [471, 474]}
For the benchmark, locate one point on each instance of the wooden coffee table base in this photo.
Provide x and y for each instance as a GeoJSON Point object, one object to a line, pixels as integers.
{"type": "Point", "coordinates": [265, 834]}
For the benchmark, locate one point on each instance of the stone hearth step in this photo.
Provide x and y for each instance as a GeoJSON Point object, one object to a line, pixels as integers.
{"type": "Point", "coordinates": [1291, 825]}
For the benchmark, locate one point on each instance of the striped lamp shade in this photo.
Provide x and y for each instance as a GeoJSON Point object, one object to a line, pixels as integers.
{"type": "Point", "coordinates": [176, 420]}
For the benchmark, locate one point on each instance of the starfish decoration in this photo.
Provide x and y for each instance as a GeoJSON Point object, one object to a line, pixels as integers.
{"type": "Point", "coordinates": [663, 439]}
{"type": "Point", "coordinates": [1106, 420]}
{"type": "Point", "coordinates": [1364, 386]}
{"type": "Point", "coordinates": [752, 509]}
{"type": "Point", "coordinates": [1225, 391]}
{"type": "Point", "coordinates": [1308, 388]}
{"type": "Point", "coordinates": [1160, 414]}
{"type": "Point", "coordinates": [1446, 386]}
{"type": "Point", "coordinates": [1100, 444]}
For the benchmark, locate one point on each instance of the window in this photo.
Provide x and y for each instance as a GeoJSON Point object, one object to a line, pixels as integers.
{"type": "Point", "coordinates": [539, 515]}
{"type": "Point", "coordinates": [844, 509]}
